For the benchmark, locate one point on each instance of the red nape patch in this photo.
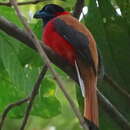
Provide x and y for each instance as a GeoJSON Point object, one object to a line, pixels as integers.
{"type": "Point", "coordinates": [62, 13]}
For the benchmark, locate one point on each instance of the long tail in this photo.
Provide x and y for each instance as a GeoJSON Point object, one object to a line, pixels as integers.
{"type": "Point", "coordinates": [90, 102]}
{"type": "Point", "coordinates": [90, 99]}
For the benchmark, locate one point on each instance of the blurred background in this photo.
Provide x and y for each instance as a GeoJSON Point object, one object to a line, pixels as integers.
{"type": "Point", "coordinates": [109, 22]}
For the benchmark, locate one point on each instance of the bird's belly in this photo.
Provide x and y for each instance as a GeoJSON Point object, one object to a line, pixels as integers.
{"type": "Point", "coordinates": [58, 44]}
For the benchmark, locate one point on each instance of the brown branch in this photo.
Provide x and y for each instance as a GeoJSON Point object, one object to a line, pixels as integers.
{"type": "Point", "coordinates": [12, 30]}
{"type": "Point", "coordinates": [48, 62]}
{"type": "Point", "coordinates": [113, 112]}
{"type": "Point", "coordinates": [78, 8]}
{"type": "Point", "coordinates": [115, 85]}
{"type": "Point", "coordinates": [33, 95]}
{"type": "Point", "coordinates": [9, 107]}
{"type": "Point", "coordinates": [22, 3]}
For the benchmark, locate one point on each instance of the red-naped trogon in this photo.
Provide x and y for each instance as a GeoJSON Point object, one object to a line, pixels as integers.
{"type": "Point", "coordinates": [72, 40]}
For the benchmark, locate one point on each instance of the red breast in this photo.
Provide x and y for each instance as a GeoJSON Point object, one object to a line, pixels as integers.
{"type": "Point", "coordinates": [57, 43]}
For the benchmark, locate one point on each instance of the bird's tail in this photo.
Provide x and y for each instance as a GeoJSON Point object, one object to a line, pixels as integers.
{"type": "Point", "coordinates": [90, 102]}
{"type": "Point", "coordinates": [90, 97]}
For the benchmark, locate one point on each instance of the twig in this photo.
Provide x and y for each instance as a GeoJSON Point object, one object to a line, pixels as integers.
{"type": "Point", "coordinates": [33, 95]}
{"type": "Point", "coordinates": [48, 62]}
{"type": "Point", "coordinates": [9, 107]}
{"type": "Point", "coordinates": [22, 3]}
{"type": "Point", "coordinates": [78, 8]}
{"type": "Point", "coordinates": [113, 112]}
{"type": "Point", "coordinates": [115, 85]}
{"type": "Point", "coordinates": [14, 31]}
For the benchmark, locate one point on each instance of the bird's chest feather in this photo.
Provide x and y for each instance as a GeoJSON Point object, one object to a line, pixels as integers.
{"type": "Point", "coordinates": [57, 43]}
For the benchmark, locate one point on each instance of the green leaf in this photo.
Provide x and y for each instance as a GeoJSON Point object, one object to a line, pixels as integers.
{"type": "Point", "coordinates": [10, 14]}
{"type": "Point", "coordinates": [22, 73]}
{"type": "Point", "coordinates": [48, 87]}
{"type": "Point", "coordinates": [124, 6]}
{"type": "Point", "coordinates": [12, 64]}
{"type": "Point", "coordinates": [38, 28]}
{"type": "Point", "coordinates": [46, 107]}
{"type": "Point", "coordinates": [20, 76]}
{"type": "Point", "coordinates": [9, 94]}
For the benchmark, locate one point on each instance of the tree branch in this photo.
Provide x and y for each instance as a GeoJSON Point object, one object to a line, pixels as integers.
{"type": "Point", "coordinates": [48, 62]}
{"type": "Point", "coordinates": [9, 107]}
{"type": "Point", "coordinates": [113, 112]}
{"type": "Point", "coordinates": [115, 85]}
{"type": "Point", "coordinates": [78, 8]}
{"type": "Point", "coordinates": [33, 95]}
{"type": "Point", "coordinates": [22, 3]}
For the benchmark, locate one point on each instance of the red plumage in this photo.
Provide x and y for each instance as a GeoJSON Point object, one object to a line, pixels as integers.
{"type": "Point", "coordinates": [57, 43]}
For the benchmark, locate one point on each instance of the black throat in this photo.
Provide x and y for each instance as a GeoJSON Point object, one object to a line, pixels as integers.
{"type": "Point", "coordinates": [46, 20]}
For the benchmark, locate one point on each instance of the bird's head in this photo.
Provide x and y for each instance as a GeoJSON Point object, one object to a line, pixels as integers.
{"type": "Point", "coordinates": [48, 12]}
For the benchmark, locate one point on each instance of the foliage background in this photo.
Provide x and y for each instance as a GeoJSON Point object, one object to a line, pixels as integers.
{"type": "Point", "coordinates": [20, 65]}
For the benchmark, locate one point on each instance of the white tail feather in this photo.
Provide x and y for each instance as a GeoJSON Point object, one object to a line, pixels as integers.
{"type": "Point", "coordinates": [80, 80]}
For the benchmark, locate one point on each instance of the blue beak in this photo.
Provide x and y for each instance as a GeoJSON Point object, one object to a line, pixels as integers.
{"type": "Point", "coordinates": [42, 14]}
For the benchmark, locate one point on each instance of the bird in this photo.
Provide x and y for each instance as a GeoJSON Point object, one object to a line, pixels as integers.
{"type": "Point", "coordinates": [73, 41]}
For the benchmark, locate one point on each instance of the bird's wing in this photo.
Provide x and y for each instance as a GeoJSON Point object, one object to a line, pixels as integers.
{"type": "Point", "coordinates": [77, 39]}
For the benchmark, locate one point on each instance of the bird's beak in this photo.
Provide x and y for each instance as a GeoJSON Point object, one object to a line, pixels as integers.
{"type": "Point", "coordinates": [42, 14]}
{"type": "Point", "coordinates": [39, 14]}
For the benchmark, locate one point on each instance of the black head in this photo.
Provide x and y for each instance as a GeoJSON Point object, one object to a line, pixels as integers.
{"type": "Point", "coordinates": [48, 12]}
